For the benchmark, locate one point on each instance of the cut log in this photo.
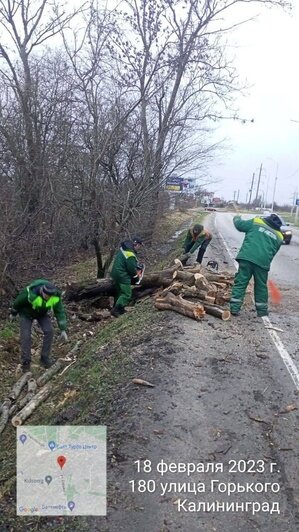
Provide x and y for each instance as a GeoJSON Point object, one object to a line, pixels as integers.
{"type": "Point", "coordinates": [186, 277]}
{"type": "Point", "coordinates": [201, 282]}
{"type": "Point", "coordinates": [218, 312]}
{"type": "Point", "coordinates": [180, 305]}
{"type": "Point", "coordinates": [31, 385]}
{"type": "Point", "coordinates": [37, 399]}
{"type": "Point", "coordinates": [175, 288]}
{"type": "Point", "coordinates": [219, 278]}
{"type": "Point", "coordinates": [18, 386]}
{"type": "Point", "coordinates": [219, 285]}
{"type": "Point", "coordinates": [4, 414]}
{"type": "Point", "coordinates": [45, 377]}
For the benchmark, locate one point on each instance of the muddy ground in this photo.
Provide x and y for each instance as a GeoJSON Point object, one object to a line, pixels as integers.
{"type": "Point", "coordinates": [221, 394]}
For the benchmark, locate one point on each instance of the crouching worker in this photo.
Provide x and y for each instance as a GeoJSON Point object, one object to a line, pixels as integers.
{"type": "Point", "coordinates": [125, 272]}
{"type": "Point", "coordinates": [196, 238]}
{"type": "Point", "coordinates": [33, 303]}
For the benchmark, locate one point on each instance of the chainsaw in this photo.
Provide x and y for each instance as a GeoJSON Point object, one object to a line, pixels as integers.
{"type": "Point", "coordinates": [140, 271]}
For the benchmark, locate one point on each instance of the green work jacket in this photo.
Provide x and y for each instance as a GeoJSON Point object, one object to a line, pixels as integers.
{"type": "Point", "coordinates": [124, 269]}
{"type": "Point", "coordinates": [30, 304]}
{"type": "Point", "coordinates": [261, 242]}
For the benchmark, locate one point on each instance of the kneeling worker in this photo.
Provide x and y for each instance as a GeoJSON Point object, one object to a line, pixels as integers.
{"type": "Point", "coordinates": [196, 238]}
{"type": "Point", "coordinates": [125, 272]}
{"type": "Point", "coordinates": [33, 303]}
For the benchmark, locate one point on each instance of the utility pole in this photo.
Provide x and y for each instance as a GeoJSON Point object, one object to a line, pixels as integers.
{"type": "Point", "coordinates": [274, 189]}
{"type": "Point", "coordinates": [235, 195]}
{"type": "Point", "coordinates": [258, 183]}
{"type": "Point", "coordinates": [251, 189]}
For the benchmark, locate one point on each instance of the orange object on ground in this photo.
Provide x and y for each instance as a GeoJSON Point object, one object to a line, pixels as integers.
{"type": "Point", "coordinates": [275, 293]}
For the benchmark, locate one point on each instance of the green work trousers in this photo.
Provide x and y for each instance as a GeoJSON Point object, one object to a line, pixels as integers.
{"type": "Point", "coordinates": [260, 275]}
{"type": "Point", "coordinates": [123, 294]}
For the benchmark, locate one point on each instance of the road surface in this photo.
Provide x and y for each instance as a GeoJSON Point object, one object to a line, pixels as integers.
{"type": "Point", "coordinates": [223, 402]}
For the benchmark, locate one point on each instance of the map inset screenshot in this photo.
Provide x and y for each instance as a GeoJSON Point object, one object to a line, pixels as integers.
{"type": "Point", "coordinates": [61, 470]}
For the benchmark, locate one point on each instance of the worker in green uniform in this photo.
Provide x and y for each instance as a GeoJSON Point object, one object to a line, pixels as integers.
{"type": "Point", "coordinates": [125, 272]}
{"type": "Point", "coordinates": [261, 243]}
{"type": "Point", "coordinates": [197, 238]}
{"type": "Point", "coordinates": [33, 303]}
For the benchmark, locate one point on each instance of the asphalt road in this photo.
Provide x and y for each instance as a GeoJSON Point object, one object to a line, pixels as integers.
{"type": "Point", "coordinates": [222, 394]}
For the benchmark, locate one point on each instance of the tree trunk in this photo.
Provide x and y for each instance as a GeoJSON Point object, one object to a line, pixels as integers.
{"type": "Point", "coordinates": [45, 377]}
{"type": "Point", "coordinates": [18, 386]}
{"type": "Point", "coordinates": [100, 267]}
{"type": "Point", "coordinates": [106, 287]}
{"type": "Point", "coordinates": [4, 414]}
{"type": "Point", "coordinates": [43, 394]}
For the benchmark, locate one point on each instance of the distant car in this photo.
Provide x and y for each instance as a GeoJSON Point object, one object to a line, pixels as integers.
{"type": "Point", "coordinates": [285, 229]}
{"type": "Point", "coordinates": [210, 209]}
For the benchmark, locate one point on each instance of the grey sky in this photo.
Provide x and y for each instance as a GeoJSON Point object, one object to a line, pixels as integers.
{"type": "Point", "coordinates": [266, 56]}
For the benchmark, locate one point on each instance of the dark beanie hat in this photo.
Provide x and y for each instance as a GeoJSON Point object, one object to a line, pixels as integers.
{"type": "Point", "coordinates": [274, 221]}
{"type": "Point", "coordinates": [49, 289]}
{"type": "Point", "coordinates": [197, 229]}
{"type": "Point", "coordinates": [137, 240]}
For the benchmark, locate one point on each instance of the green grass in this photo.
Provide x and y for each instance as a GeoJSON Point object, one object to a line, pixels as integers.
{"type": "Point", "coordinates": [8, 331]}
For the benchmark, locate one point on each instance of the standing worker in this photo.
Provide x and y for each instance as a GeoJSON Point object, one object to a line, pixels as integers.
{"type": "Point", "coordinates": [125, 272]}
{"type": "Point", "coordinates": [197, 238]}
{"type": "Point", "coordinates": [261, 243]}
{"type": "Point", "coordinates": [33, 303]}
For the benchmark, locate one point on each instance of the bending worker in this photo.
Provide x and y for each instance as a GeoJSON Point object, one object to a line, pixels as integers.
{"type": "Point", "coordinates": [33, 303]}
{"type": "Point", "coordinates": [125, 272]}
{"type": "Point", "coordinates": [261, 243]}
{"type": "Point", "coordinates": [197, 238]}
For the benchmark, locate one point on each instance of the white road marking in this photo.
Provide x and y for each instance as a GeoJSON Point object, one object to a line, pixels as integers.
{"type": "Point", "coordinates": [286, 358]}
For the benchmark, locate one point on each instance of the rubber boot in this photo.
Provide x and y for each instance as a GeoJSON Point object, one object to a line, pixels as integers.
{"type": "Point", "coordinates": [117, 311]}
{"type": "Point", "coordinates": [46, 362]}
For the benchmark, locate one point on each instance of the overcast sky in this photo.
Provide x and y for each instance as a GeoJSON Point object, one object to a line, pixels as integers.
{"type": "Point", "coordinates": [266, 56]}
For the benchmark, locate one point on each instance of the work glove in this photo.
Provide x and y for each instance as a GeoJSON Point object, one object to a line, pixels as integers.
{"type": "Point", "coordinates": [63, 337]}
{"type": "Point", "coordinates": [185, 257]}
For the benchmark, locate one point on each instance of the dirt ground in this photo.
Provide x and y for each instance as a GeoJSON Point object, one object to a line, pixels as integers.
{"type": "Point", "coordinates": [221, 396]}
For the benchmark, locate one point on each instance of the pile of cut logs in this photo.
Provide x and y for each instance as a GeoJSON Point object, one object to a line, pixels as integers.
{"type": "Point", "coordinates": [210, 289]}
{"type": "Point", "coordinates": [172, 289]}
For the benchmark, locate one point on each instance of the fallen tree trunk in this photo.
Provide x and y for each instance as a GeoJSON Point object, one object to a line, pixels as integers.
{"type": "Point", "coordinates": [31, 387]}
{"type": "Point", "coordinates": [106, 287]}
{"type": "Point", "coordinates": [37, 399]}
{"type": "Point", "coordinates": [18, 386]}
{"type": "Point", "coordinates": [180, 305]}
{"type": "Point", "coordinates": [5, 414]}
{"type": "Point", "coordinates": [45, 377]}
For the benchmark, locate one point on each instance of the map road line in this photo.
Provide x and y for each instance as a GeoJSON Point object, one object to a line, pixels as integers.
{"type": "Point", "coordinates": [285, 356]}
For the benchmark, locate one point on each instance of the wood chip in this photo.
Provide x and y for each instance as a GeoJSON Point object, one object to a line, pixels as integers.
{"type": "Point", "coordinates": [143, 382]}
{"type": "Point", "coordinates": [288, 409]}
